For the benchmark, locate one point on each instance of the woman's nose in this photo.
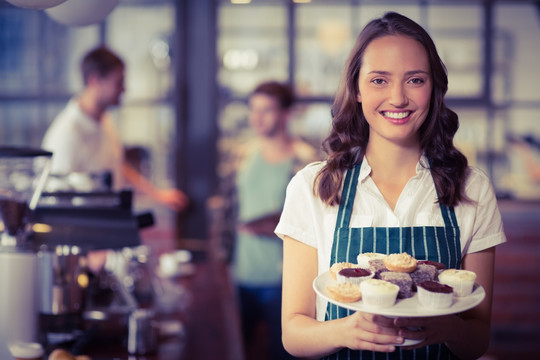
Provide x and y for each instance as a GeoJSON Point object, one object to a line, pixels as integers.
{"type": "Point", "coordinates": [398, 96]}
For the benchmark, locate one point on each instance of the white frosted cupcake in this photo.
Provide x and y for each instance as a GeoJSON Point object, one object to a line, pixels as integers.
{"type": "Point", "coordinates": [434, 295]}
{"type": "Point", "coordinates": [363, 259]}
{"type": "Point", "coordinates": [462, 281]}
{"type": "Point", "coordinates": [354, 275]}
{"type": "Point", "coordinates": [378, 293]}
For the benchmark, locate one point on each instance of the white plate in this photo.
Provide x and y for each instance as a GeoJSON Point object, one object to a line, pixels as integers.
{"type": "Point", "coordinates": [403, 307]}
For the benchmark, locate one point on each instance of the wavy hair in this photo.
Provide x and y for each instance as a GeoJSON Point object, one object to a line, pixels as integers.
{"type": "Point", "coordinates": [348, 139]}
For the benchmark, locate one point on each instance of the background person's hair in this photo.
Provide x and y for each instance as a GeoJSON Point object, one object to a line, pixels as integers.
{"type": "Point", "coordinates": [282, 92]}
{"type": "Point", "coordinates": [347, 142]}
{"type": "Point", "coordinates": [101, 61]}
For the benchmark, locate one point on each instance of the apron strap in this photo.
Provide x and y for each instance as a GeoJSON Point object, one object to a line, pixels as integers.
{"type": "Point", "coordinates": [347, 196]}
{"type": "Point", "coordinates": [448, 214]}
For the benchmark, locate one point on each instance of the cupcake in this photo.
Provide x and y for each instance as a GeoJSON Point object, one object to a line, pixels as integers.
{"type": "Point", "coordinates": [345, 292]}
{"type": "Point", "coordinates": [434, 295]}
{"type": "Point", "coordinates": [337, 267]}
{"type": "Point", "coordinates": [363, 259]}
{"type": "Point", "coordinates": [461, 280]}
{"type": "Point", "coordinates": [353, 275]}
{"type": "Point", "coordinates": [403, 280]}
{"type": "Point", "coordinates": [378, 293]}
{"type": "Point", "coordinates": [400, 262]}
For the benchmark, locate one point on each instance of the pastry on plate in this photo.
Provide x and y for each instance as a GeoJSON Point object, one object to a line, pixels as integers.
{"type": "Point", "coordinates": [438, 265]}
{"type": "Point", "coordinates": [378, 293]}
{"type": "Point", "coordinates": [345, 292]}
{"type": "Point", "coordinates": [363, 259]}
{"type": "Point", "coordinates": [461, 280]}
{"type": "Point", "coordinates": [400, 262]}
{"type": "Point", "coordinates": [354, 275]}
{"type": "Point", "coordinates": [377, 267]}
{"type": "Point", "coordinates": [336, 267]}
{"type": "Point", "coordinates": [434, 295]}
{"type": "Point", "coordinates": [423, 272]}
{"type": "Point", "coordinates": [403, 280]}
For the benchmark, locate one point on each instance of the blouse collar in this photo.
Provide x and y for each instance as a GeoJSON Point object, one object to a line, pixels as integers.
{"type": "Point", "coordinates": [421, 167]}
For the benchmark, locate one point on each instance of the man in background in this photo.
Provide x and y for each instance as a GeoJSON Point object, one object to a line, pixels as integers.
{"type": "Point", "coordinates": [267, 163]}
{"type": "Point", "coordinates": [83, 137]}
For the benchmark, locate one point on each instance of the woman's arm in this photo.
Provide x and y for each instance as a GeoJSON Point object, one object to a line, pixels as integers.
{"type": "Point", "coordinates": [472, 338]}
{"type": "Point", "coordinates": [303, 335]}
{"type": "Point", "coordinates": [467, 334]}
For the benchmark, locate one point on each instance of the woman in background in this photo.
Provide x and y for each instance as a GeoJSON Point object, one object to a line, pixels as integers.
{"type": "Point", "coordinates": [267, 163]}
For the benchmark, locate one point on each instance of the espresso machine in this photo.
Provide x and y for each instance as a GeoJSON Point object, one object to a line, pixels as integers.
{"type": "Point", "coordinates": [81, 304]}
{"type": "Point", "coordinates": [77, 302]}
{"type": "Point", "coordinates": [23, 173]}
{"type": "Point", "coordinates": [46, 237]}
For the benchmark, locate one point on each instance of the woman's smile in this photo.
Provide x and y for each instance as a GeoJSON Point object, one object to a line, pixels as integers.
{"type": "Point", "coordinates": [397, 117]}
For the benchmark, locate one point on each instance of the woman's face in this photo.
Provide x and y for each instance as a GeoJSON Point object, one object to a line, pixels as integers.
{"type": "Point", "coordinates": [395, 89]}
{"type": "Point", "coordinates": [266, 116]}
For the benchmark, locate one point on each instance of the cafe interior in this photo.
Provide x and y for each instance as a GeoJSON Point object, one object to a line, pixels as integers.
{"type": "Point", "coordinates": [190, 68]}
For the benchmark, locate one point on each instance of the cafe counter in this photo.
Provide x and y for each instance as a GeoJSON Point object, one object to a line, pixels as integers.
{"type": "Point", "coordinates": [206, 327]}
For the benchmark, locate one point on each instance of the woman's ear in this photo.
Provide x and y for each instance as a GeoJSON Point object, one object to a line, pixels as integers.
{"type": "Point", "coordinates": [359, 97]}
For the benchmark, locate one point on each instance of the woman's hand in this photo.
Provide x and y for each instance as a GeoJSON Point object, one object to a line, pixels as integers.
{"type": "Point", "coordinates": [371, 332]}
{"type": "Point", "coordinates": [431, 330]}
{"type": "Point", "coordinates": [304, 335]}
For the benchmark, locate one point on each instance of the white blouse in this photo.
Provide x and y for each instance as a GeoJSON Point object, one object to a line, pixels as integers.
{"type": "Point", "coordinates": [307, 219]}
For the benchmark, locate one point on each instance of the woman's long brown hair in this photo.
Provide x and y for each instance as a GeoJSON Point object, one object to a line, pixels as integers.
{"type": "Point", "coordinates": [347, 142]}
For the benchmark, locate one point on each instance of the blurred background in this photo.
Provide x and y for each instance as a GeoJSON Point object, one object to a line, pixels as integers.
{"type": "Point", "coordinates": [192, 64]}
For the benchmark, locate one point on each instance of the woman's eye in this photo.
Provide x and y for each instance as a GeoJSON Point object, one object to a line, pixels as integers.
{"type": "Point", "coordinates": [378, 81]}
{"type": "Point", "coordinates": [417, 81]}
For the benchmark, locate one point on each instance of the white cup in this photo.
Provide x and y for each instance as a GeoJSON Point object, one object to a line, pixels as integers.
{"type": "Point", "coordinates": [26, 350]}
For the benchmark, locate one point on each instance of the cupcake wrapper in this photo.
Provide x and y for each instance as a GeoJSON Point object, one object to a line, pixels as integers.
{"type": "Point", "coordinates": [379, 300]}
{"type": "Point", "coordinates": [461, 288]}
{"type": "Point", "coordinates": [434, 300]}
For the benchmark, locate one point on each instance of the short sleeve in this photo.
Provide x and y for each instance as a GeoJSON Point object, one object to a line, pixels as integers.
{"type": "Point", "coordinates": [487, 227]}
{"type": "Point", "coordinates": [299, 210]}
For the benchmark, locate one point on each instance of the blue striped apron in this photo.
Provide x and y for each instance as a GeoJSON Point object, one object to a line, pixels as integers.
{"type": "Point", "coordinates": [436, 243]}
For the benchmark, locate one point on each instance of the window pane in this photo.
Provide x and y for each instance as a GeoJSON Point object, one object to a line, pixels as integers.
{"type": "Point", "coordinates": [23, 123]}
{"type": "Point", "coordinates": [458, 35]}
{"type": "Point", "coordinates": [252, 46]}
{"type": "Point", "coordinates": [151, 130]}
{"type": "Point", "coordinates": [145, 43]}
{"type": "Point", "coordinates": [323, 41]}
{"type": "Point", "coordinates": [40, 56]}
{"type": "Point", "coordinates": [146, 118]}
{"type": "Point", "coordinates": [312, 122]}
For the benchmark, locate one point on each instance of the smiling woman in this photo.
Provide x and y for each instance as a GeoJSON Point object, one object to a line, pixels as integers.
{"type": "Point", "coordinates": [391, 159]}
